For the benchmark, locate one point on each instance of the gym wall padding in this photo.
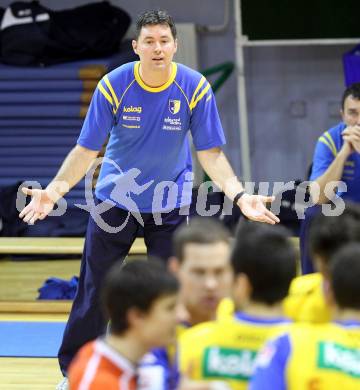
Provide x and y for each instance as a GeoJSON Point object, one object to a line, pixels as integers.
{"type": "Point", "coordinates": [41, 113]}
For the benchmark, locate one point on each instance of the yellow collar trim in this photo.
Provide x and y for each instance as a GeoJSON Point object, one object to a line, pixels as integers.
{"type": "Point", "coordinates": [155, 89]}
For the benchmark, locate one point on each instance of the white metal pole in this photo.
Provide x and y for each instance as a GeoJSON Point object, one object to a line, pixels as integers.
{"type": "Point", "coordinates": [241, 93]}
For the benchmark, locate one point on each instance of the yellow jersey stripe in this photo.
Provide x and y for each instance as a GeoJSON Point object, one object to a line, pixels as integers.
{"type": "Point", "coordinates": [201, 82]}
{"type": "Point", "coordinates": [187, 100]}
{"type": "Point", "coordinates": [350, 163]}
{"type": "Point", "coordinates": [104, 92]}
{"type": "Point", "coordinates": [113, 94]}
{"type": "Point", "coordinates": [203, 92]}
{"type": "Point", "coordinates": [328, 136]}
{"type": "Point", "coordinates": [324, 141]}
{"type": "Point", "coordinates": [122, 96]}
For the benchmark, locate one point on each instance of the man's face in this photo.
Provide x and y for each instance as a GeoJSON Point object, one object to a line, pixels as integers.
{"type": "Point", "coordinates": [157, 327]}
{"type": "Point", "coordinates": [205, 277]}
{"type": "Point", "coordinates": [351, 111]}
{"type": "Point", "coordinates": [155, 46]}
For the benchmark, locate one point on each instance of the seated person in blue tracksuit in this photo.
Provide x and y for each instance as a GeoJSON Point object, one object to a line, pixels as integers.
{"type": "Point", "coordinates": [336, 158]}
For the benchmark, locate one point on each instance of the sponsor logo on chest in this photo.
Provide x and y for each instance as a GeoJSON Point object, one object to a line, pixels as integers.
{"type": "Point", "coordinates": [336, 357]}
{"type": "Point", "coordinates": [137, 109]}
{"type": "Point", "coordinates": [228, 363]}
{"type": "Point", "coordinates": [171, 123]}
{"type": "Point", "coordinates": [131, 121]}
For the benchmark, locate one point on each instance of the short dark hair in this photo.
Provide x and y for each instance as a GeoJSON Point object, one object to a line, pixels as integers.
{"type": "Point", "coordinates": [352, 90]}
{"type": "Point", "coordinates": [328, 233]}
{"type": "Point", "coordinates": [345, 276]}
{"type": "Point", "coordinates": [266, 256]}
{"type": "Point", "coordinates": [136, 284]}
{"type": "Point", "coordinates": [200, 230]}
{"type": "Point", "coordinates": [154, 17]}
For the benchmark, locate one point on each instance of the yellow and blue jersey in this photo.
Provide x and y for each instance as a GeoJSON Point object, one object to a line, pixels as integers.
{"type": "Point", "coordinates": [311, 356]}
{"type": "Point", "coordinates": [327, 148]}
{"type": "Point", "coordinates": [225, 350]}
{"type": "Point", "coordinates": [148, 129]}
{"type": "Point", "coordinates": [306, 300]}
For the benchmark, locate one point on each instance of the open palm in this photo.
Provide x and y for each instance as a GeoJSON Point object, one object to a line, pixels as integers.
{"type": "Point", "coordinates": [38, 208]}
{"type": "Point", "coordinates": [254, 208]}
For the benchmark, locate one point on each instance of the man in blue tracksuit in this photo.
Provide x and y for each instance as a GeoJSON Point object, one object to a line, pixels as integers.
{"type": "Point", "coordinates": [146, 109]}
{"type": "Point", "coordinates": [336, 158]}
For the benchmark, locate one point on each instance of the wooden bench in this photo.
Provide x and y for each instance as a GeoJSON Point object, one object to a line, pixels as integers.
{"type": "Point", "coordinates": [64, 245]}
{"type": "Point", "coordinates": [54, 245]}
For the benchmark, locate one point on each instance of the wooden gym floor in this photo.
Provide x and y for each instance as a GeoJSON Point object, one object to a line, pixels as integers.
{"type": "Point", "coordinates": [19, 282]}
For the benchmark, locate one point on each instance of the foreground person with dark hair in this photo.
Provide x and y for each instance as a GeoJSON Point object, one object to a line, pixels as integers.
{"type": "Point", "coordinates": [140, 301]}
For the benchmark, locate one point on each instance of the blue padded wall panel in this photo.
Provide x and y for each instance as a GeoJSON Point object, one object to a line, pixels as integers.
{"type": "Point", "coordinates": [40, 117]}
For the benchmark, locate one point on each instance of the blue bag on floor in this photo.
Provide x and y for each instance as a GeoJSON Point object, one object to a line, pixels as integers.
{"type": "Point", "coordinates": [55, 288]}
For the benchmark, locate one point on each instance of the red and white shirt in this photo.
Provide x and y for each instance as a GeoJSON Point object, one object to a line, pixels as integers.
{"type": "Point", "coordinates": [97, 366]}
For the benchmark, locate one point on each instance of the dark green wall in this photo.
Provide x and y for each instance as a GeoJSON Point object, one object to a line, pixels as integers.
{"type": "Point", "coordinates": [289, 19]}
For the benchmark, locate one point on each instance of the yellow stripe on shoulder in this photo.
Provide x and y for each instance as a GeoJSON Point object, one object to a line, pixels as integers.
{"type": "Point", "coordinates": [105, 93]}
{"type": "Point", "coordinates": [332, 143]}
{"type": "Point", "coordinates": [111, 89]}
{"type": "Point", "coordinates": [201, 82]}
{"type": "Point", "coordinates": [324, 141]}
{"type": "Point", "coordinates": [201, 95]}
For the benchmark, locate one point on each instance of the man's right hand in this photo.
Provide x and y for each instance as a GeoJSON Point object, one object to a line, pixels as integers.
{"type": "Point", "coordinates": [351, 137]}
{"type": "Point", "coordinates": [39, 207]}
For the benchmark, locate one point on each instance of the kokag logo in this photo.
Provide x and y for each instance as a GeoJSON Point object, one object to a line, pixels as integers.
{"type": "Point", "coordinates": [133, 109]}
{"type": "Point", "coordinates": [174, 106]}
{"type": "Point", "coordinates": [228, 363]}
{"type": "Point", "coordinates": [336, 357]}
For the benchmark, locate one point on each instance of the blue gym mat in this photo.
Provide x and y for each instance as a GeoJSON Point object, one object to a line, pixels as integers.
{"type": "Point", "coordinates": [30, 339]}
